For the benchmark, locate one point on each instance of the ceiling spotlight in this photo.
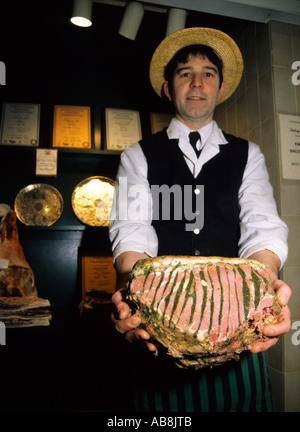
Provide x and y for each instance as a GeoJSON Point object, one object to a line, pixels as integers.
{"type": "Point", "coordinates": [82, 13]}
{"type": "Point", "coordinates": [176, 20]}
{"type": "Point", "coordinates": [131, 20]}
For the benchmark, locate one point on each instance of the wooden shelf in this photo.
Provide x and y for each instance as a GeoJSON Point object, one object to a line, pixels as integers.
{"type": "Point", "coordinates": [62, 150]}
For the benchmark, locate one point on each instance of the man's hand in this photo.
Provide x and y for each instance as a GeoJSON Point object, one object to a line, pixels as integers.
{"type": "Point", "coordinates": [283, 291]}
{"type": "Point", "coordinates": [283, 325]}
{"type": "Point", "coordinates": [126, 323]}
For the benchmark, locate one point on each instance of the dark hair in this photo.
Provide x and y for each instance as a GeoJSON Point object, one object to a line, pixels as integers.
{"type": "Point", "coordinates": [182, 57]}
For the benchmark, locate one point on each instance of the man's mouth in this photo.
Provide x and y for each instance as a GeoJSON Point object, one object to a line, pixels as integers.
{"type": "Point", "coordinates": [195, 98]}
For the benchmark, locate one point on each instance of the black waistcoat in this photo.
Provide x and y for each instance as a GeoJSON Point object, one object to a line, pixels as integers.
{"type": "Point", "coordinates": [221, 176]}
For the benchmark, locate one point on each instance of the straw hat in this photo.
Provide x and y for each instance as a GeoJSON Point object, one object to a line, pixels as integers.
{"type": "Point", "coordinates": [225, 47]}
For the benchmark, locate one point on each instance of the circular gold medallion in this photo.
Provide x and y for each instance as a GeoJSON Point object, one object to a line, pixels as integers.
{"type": "Point", "coordinates": [92, 200]}
{"type": "Point", "coordinates": [38, 205]}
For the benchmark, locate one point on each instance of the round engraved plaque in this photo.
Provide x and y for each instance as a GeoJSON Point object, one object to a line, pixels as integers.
{"type": "Point", "coordinates": [38, 205]}
{"type": "Point", "coordinates": [92, 200]}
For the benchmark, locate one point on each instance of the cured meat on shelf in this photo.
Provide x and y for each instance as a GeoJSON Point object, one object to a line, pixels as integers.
{"type": "Point", "coordinates": [204, 310]}
{"type": "Point", "coordinates": [16, 276]}
{"type": "Point", "coordinates": [20, 305]}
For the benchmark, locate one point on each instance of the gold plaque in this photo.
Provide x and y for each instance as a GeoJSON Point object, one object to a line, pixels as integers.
{"type": "Point", "coordinates": [72, 127]}
{"type": "Point", "coordinates": [98, 281]}
{"type": "Point", "coordinates": [92, 200]}
{"type": "Point", "coordinates": [38, 205]}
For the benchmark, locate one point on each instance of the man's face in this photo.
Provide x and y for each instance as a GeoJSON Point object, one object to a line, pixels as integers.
{"type": "Point", "coordinates": [196, 92]}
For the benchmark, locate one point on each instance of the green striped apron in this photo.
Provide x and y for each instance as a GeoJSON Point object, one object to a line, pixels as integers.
{"type": "Point", "coordinates": [237, 386]}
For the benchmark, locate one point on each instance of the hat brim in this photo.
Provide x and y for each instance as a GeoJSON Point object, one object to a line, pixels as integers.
{"type": "Point", "coordinates": [223, 44]}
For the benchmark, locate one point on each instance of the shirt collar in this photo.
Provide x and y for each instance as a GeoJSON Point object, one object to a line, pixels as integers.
{"type": "Point", "coordinates": [178, 130]}
{"type": "Point", "coordinates": [212, 136]}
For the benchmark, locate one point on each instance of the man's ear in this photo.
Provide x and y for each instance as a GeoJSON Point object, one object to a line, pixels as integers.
{"type": "Point", "coordinates": [222, 89]}
{"type": "Point", "coordinates": [167, 91]}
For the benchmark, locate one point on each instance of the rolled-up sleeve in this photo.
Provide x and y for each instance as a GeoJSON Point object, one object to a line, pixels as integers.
{"type": "Point", "coordinates": [261, 226]}
{"type": "Point", "coordinates": [130, 226]}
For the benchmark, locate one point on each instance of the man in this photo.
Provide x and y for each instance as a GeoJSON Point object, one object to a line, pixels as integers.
{"type": "Point", "coordinates": [196, 69]}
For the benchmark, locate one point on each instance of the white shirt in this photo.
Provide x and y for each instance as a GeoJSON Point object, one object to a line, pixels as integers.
{"type": "Point", "coordinates": [260, 226]}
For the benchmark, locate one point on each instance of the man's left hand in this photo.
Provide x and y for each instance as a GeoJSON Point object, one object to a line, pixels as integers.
{"type": "Point", "coordinates": [283, 325]}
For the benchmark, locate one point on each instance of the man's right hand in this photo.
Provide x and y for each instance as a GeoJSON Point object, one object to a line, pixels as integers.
{"type": "Point", "coordinates": [126, 323]}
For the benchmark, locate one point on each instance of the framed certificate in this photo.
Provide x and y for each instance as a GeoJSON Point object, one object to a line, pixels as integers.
{"type": "Point", "coordinates": [159, 121]}
{"type": "Point", "coordinates": [123, 127]}
{"type": "Point", "coordinates": [98, 280]}
{"type": "Point", "coordinates": [72, 127]}
{"type": "Point", "coordinates": [289, 128]}
{"type": "Point", "coordinates": [20, 124]}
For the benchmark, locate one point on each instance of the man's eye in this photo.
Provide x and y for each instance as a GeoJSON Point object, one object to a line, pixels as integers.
{"type": "Point", "coordinates": [185, 74]}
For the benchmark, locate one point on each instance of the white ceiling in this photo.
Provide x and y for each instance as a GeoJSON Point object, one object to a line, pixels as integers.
{"type": "Point", "coordinates": [287, 11]}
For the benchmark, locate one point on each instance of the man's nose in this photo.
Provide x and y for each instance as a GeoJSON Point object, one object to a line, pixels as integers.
{"type": "Point", "coordinates": [197, 80]}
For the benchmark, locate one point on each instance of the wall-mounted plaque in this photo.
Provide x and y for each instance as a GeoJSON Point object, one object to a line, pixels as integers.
{"type": "Point", "coordinates": [72, 127]}
{"type": "Point", "coordinates": [92, 200]}
{"type": "Point", "coordinates": [123, 127]}
{"type": "Point", "coordinates": [289, 127]}
{"type": "Point", "coordinates": [98, 280]}
{"type": "Point", "coordinates": [20, 124]}
{"type": "Point", "coordinates": [159, 121]}
{"type": "Point", "coordinates": [46, 162]}
{"type": "Point", "coordinates": [38, 205]}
